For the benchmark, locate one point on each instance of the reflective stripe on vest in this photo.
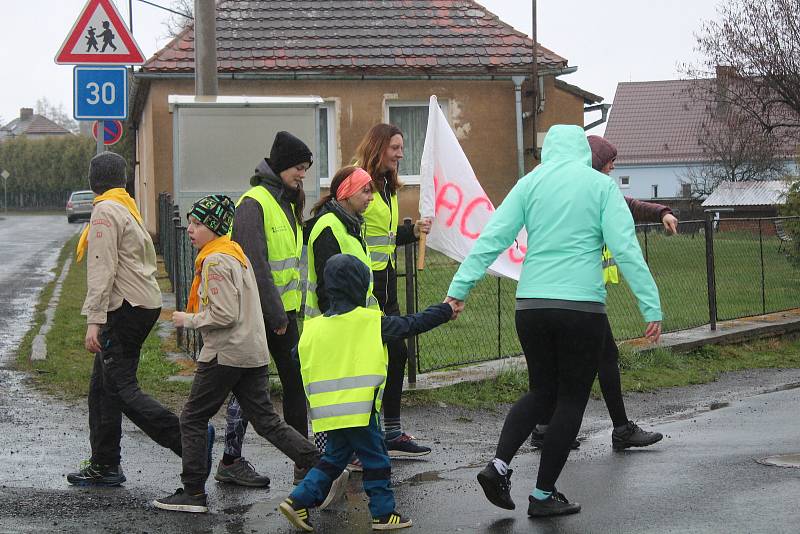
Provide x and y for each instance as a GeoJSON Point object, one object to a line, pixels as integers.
{"type": "Point", "coordinates": [348, 244]}
{"type": "Point", "coordinates": [381, 221]}
{"type": "Point", "coordinates": [284, 247]}
{"type": "Point", "coordinates": [343, 362]}
{"type": "Point", "coordinates": [610, 269]}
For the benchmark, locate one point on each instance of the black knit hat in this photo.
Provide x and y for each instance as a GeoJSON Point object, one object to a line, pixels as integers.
{"type": "Point", "coordinates": [106, 171]}
{"type": "Point", "coordinates": [288, 151]}
{"type": "Point", "coordinates": [215, 212]}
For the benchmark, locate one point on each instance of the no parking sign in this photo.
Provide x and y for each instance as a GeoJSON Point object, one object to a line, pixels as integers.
{"type": "Point", "coordinates": [112, 131]}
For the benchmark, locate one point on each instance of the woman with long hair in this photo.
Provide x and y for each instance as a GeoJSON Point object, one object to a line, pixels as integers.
{"type": "Point", "coordinates": [379, 153]}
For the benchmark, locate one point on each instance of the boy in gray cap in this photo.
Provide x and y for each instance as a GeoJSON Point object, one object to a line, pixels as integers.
{"type": "Point", "coordinates": [123, 302]}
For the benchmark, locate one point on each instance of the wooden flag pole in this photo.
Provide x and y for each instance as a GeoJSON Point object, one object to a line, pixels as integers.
{"type": "Point", "coordinates": [421, 252]}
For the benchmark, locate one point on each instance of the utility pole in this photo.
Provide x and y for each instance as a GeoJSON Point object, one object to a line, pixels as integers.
{"type": "Point", "coordinates": [205, 48]}
{"type": "Point", "coordinates": [535, 83]}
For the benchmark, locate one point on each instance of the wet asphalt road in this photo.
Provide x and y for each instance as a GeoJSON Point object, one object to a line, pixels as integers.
{"type": "Point", "coordinates": [701, 478]}
{"type": "Point", "coordinates": [30, 245]}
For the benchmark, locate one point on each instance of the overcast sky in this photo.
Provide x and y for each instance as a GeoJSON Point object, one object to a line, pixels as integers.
{"type": "Point", "coordinates": [609, 42]}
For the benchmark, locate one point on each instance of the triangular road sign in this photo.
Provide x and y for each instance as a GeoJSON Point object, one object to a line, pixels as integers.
{"type": "Point", "coordinates": [99, 37]}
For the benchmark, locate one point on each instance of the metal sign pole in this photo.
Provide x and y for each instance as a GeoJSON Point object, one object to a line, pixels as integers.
{"type": "Point", "coordinates": [5, 174]}
{"type": "Point", "coordinates": [101, 136]}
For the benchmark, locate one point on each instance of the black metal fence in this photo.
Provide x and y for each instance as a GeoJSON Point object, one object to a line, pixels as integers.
{"type": "Point", "coordinates": [711, 270]}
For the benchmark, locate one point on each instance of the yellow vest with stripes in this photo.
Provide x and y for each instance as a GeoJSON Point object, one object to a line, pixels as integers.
{"type": "Point", "coordinates": [343, 362]}
{"type": "Point", "coordinates": [610, 269]}
{"type": "Point", "coordinates": [381, 220]}
{"type": "Point", "coordinates": [348, 245]}
{"type": "Point", "coordinates": [284, 247]}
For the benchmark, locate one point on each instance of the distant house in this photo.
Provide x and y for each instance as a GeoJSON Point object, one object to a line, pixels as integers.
{"type": "Point", "coordinates": [748, 199]}
{"type": "Point", "coordinates": [371, 61]}
{"type": "Point", "coordinates": [656, 127]}
{"type": "Point", "coordinates": [32, 126]}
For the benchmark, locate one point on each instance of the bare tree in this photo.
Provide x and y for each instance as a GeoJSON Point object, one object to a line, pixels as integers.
{"type": "Point", "coordinates": [735, 149]}
{"type": "Point", "coordinates": [183, 13]}
{"type": "Point", "coordinates": [760, 41]}
{"type": "Point", "coordinates": [57, 114]}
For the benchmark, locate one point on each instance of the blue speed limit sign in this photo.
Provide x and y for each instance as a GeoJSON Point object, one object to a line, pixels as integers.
{"type": "Point", "coordinates": [100, 93]}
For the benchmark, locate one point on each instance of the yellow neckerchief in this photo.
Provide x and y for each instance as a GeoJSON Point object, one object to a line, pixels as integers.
{"type": "Point", "coordinates": [221, 245]}
{"type": "Point", "coordinates": [118, 195]}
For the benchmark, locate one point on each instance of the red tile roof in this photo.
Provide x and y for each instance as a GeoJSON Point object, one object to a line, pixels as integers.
{"type": "Point", "coordinates": [359, 36]}
{"type": "Point", "coordinates": [660, 122]}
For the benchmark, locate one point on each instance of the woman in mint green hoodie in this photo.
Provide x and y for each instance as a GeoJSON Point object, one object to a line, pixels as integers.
{"type": "Point", "coordinates": [569, 211]}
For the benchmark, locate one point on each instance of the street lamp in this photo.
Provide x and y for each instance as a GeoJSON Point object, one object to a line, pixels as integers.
{"type": "Point", "coordinates": [5, 174]}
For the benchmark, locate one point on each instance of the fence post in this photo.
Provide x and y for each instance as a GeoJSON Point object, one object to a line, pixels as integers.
{"type": "Point", "coordinates": [761, 253]}
{"type": "Point", "coordinates": [411, 277]}
{"type": "Point", "coordinates": [710, 272]}
{"type": "Point", "coordinates": [177, 286]}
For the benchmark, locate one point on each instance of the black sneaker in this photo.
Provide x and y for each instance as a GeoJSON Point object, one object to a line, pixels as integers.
{"type": "Point", "coordinates": [180, 501]}
{"type": "Point", "coordinates": [497, 487]}
{"type": "Point", "coordinates": [393, 521]}
{"type": "Point", "coordinates": [92, 474]}
{"type": "Point", "coordinates": [555, 504]}
{"type": "Point", "coordinates": [296, 516]}
{"type": "Point", "coordinates": [404, 446]}
{"type": "Point", "coordinates": [537, 440]}
{"type": "Point", "coordinates": [240, 472]}
{"type": "Point", "coordinates": [633, 436]}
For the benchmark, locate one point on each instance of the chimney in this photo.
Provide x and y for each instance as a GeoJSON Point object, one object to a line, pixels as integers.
{"type": "Point", "coordinates": [25, 114]}
{"type": "Point", "coordinates": [725, 75]}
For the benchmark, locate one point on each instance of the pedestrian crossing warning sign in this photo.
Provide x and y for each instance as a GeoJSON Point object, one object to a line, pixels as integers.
{"type": "Point", "coordinates": [99, 37]}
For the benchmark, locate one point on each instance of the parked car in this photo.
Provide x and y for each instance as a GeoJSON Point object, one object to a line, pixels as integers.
{"type": "Point", "coordinates": [79, 205]}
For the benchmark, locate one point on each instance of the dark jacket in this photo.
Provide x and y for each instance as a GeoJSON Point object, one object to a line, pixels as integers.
{"type": "Point", "coordinates": [326, 246]}
{"type": "Point", "coordinates": [347, 281]}
{"type": "Point", "coordinates": [644, 212]}
{"type": "Point", "coordinates": [248, 231]}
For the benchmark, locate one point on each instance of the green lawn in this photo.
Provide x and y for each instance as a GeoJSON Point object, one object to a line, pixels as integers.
{"type": "Point", "coordinates": [486, 329]}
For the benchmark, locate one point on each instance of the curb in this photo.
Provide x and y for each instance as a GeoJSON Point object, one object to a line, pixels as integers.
{"type": "Point", "coordinates": [39, 345]}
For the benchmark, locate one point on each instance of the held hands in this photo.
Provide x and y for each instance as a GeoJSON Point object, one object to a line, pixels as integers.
{"type": "Point", "coordinates": [653, 331]}
{"type": "Point", "coordinates": [422, 226]}
{"type": "Point", "coordinates": [92, 339]}
{"type": "Point", "coordinates": [670, 223]}
{"type": "Point", "coordinates": [456, 305]}
{"type": "Point", "coordinates": [179, 319]}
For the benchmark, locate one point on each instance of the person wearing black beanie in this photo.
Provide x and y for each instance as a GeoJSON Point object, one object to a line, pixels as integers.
{"type": "Point", "coordinates": [268, 226]}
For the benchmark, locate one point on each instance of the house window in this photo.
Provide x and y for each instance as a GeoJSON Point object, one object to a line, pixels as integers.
{"type": "Point", "coordinates": [654, 191]}
{"type": "Point", "coordinates": [327, 143]}
{"type": "Point", "coordinates": [624, 182]}
{"type": "Point", "coordinates": [412, 119]}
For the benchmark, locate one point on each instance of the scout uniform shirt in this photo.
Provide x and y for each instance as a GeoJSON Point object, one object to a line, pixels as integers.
{"type": "Point", "coordinates": [230, 318]}
{"type": "Point", "coordinates": [121, 263]}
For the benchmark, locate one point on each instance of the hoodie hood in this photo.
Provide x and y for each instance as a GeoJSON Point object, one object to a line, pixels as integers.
{"type": "Point", "coordinates": [346, 282]}
{"type": "Point", "coordinates": [566, 143]}
{"type": "Point", "coordinates": [267, 177]}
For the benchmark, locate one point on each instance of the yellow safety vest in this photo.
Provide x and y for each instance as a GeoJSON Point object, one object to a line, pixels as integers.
{"type": "Point", "coordinates": [284, 247]}
{"type": "Point", "coordinates": [610, 269]}
{"type": "Point", "coordinates": [381, 221]}
{"type": "Point", "coordinates": [348, 245]}
{"type": "Point", "coordinates": [343, 362]}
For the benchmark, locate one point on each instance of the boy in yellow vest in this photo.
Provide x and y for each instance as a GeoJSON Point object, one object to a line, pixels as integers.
{"type": "Point", "coordinates": [343, 361]}
{"type": "Point", "coordinates": [224, 306]}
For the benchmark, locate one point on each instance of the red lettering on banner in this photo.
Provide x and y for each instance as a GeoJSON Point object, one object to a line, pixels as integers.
{"type": "Point", "coordinates": [468, 212]}
{"type": "Point", "coordinates": [443, 202]}
{"type": "Point", "coordinates": [513, 249]}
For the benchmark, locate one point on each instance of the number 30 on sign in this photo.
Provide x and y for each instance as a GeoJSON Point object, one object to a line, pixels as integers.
{"type": "Point", "coordinates": [100, 93]}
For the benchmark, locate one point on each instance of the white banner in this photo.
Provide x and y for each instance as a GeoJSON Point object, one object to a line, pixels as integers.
{"type": "Point", "coordinates": [452, 196]}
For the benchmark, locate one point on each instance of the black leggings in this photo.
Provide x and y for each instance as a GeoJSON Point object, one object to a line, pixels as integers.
{"type": "Point", "coordinates": [610, 384]}
{"type": "Point", "coordinates": [385, 290]}
{"type": "Point", "coordinates": [562, 348]}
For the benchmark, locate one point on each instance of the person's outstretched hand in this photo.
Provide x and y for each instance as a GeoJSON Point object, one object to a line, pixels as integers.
{"type": "Point", "coordinates": [653, 331]}
{"type": "Point", "coordinates": [456, 305]}
{"type": "Point", "coordinates": [670, 223]}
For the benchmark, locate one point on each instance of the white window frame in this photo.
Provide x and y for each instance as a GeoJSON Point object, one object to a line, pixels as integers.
{"type": "Point", "coordinates": [624, 182]}
{"type": "Point", "coordinates": [413, 179]}
{"type": "Point", "coordinates": [333, 143]}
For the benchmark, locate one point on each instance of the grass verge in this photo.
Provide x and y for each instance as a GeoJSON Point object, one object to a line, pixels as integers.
{"type": "Point", "coordinates": [639, 372]}
{"type": "Point", "coordinates": [68, 367]}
